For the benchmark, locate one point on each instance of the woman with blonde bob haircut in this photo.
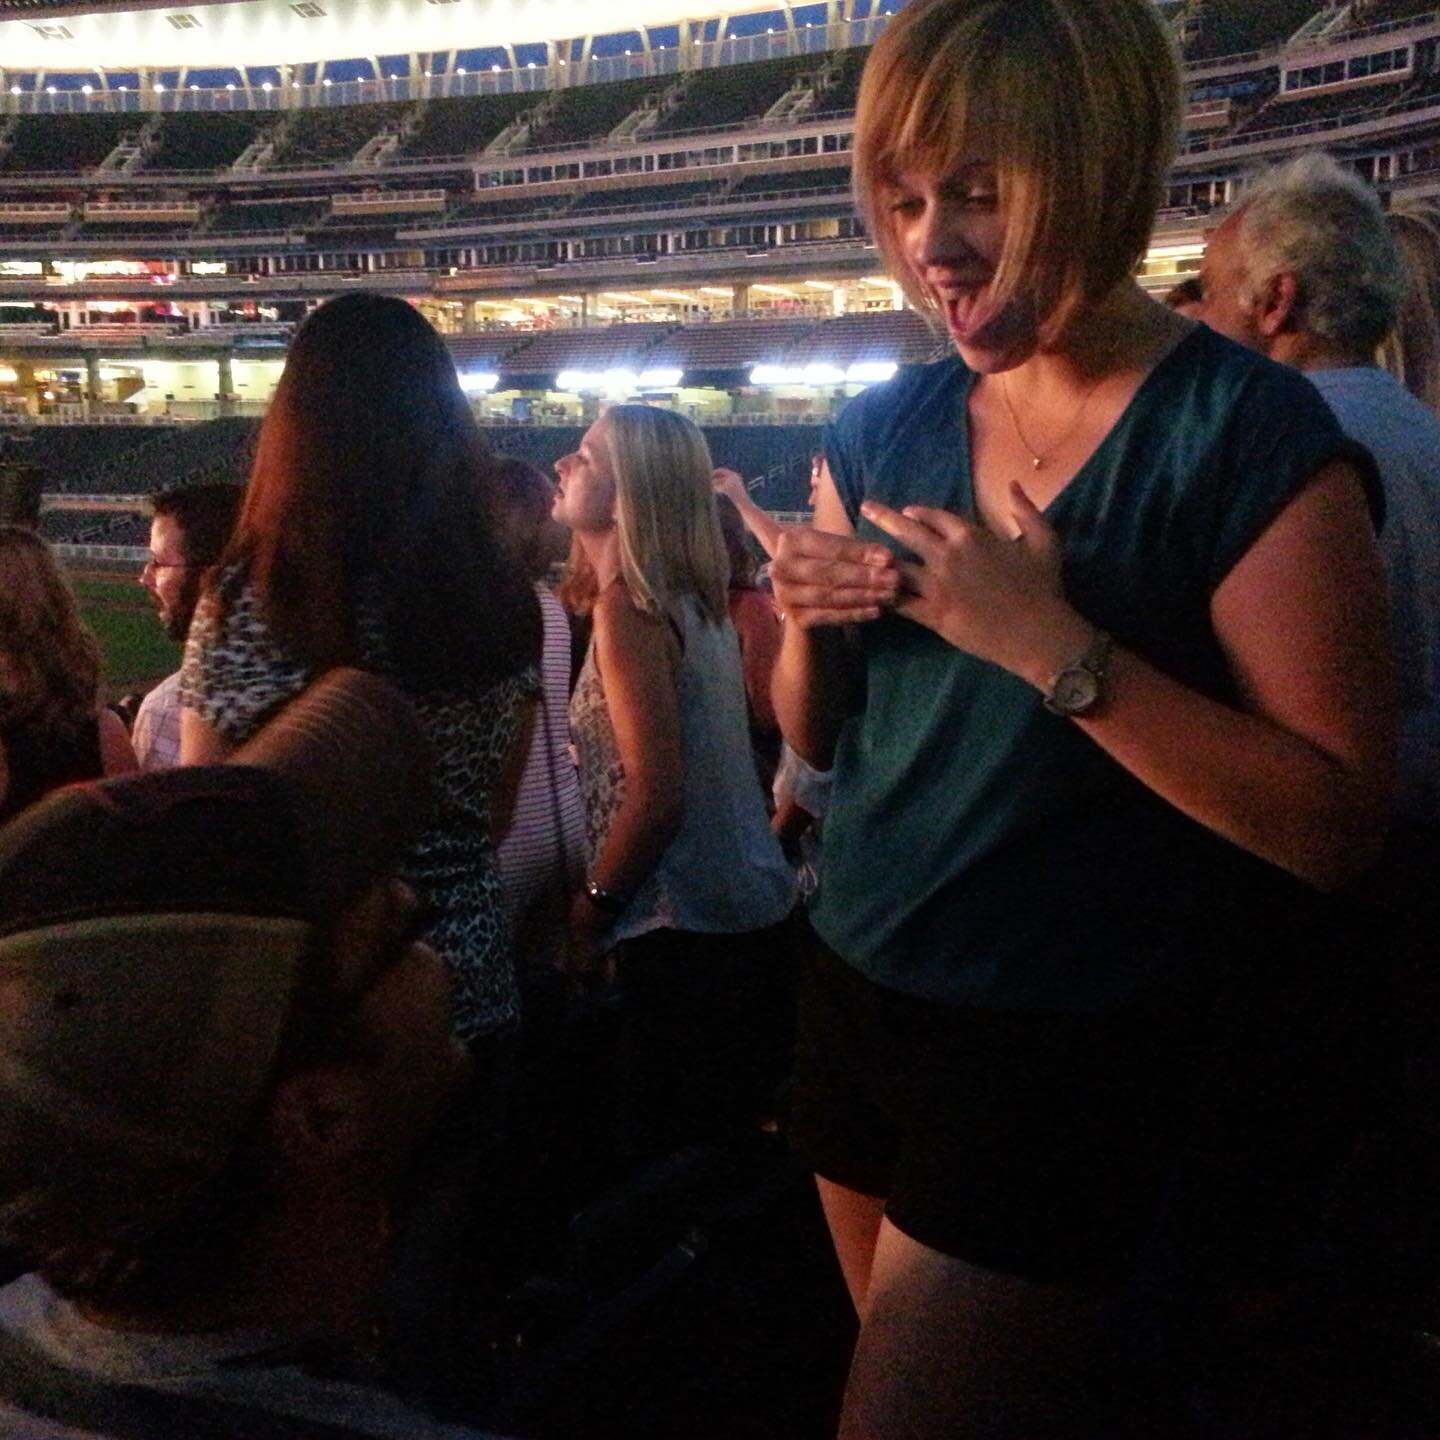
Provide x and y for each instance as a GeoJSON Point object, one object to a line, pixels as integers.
{"type": "Point", "coordinates": [685, 883]}
{"type": "Point", "coordinates": [1060, 628]}
{"type": "Point", "coordinates": [51, 732]}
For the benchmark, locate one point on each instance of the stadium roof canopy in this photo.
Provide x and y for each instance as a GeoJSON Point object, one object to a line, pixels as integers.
{"type": "Point", "coordinates": [61, 35]}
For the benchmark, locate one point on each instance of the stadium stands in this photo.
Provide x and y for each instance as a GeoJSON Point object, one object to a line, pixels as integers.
{"type": "Point", "coordinates": [615, 345]}
{"type": "Point", "coordinates": [591, 112]}
{"type": "Point", "coordinates": [203, 141]}
{"type": "Point", "coordinates": [1352, 104]}
{"type": "Point", "coordinates": [322, 137]}
{"type": "Point", "coordinates": [67, 453]}
{"type": "Point", "coordinates": [266, 217]}
{"type": "Point", "coordinates": [463, 126]}
{"type": "Point", "coordinates": [56, 143]}
{"type": "Point", "coordinates": [1382, 12]}
{"type": "Point", "coordinates": [729, 345]}
{"type": "Point", "coordinates": [839, 95]}
{"type": "Point", "coordinates": [639, 196]}
{"type": "Point", "coordinates": [734, 94]}
{"type": "Point", "coordinates": [147, 459]}
{"type": "Point", "coordinates": [835, 178]}
{"type": "Point", "coordinates": [485, 352]}
{"type": "Point", "coordinates": [902, 336]}
{"type": "Point", "coordinates": [501, 212]}
{"type": "Point", "coordinates": [1230, 27]}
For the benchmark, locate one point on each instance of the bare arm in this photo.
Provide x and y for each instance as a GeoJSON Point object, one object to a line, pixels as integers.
{"type": "Point", "coordinates": [1301, 773]}
{"type": "Point", "coordinates": [200, 742]}
{"type": "Point", "coordinates": [639, 657]}
{"type": "Point", "coordinates": [765, 530]}
{"type": "Point", "coordinates": [824, 578]}
{"type": "Point", "coordinates": [117, 755]}
{"type": "Point", "coordinates": [758, 628]}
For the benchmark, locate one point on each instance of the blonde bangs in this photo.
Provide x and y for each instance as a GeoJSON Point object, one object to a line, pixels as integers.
{"type": "Point", "coordinates": [1075, 103]}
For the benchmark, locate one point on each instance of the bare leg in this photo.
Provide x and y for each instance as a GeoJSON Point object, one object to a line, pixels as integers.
{"type": "Point", "coordinates": [854, 1221]}
{"type": "Point", "coordinates": [948, 1351]}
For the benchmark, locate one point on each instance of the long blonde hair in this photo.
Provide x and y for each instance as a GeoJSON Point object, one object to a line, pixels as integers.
{"type": "Point", "coordinates": [49, 659]}
{"type": "Point", "coordinates": [665, 519]}
{"type": "Point", "coordinates": [1411, 352]}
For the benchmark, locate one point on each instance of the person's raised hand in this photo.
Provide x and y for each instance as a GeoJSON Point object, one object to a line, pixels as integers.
{"type": "Point", "coordinates": [729, 484]}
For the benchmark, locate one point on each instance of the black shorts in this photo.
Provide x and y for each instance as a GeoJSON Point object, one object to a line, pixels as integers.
{"type": "Point", "coordinates": [1037, 1145]}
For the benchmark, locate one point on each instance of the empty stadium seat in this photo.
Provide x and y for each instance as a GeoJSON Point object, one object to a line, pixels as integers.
{"type": "Point", "coordinates": [265, 217]}
{"type": "Point", "coordinates": [1213, 28]}
{"type": "Point", "coordinates": [40, 143]}
{"type": "Point", "coordinates": [601, 349]}
{"type": "Point", "coordinates": [463, 126]}
{"type": "Point", "coordinates": [839, 96]}
{"type": "Point", "coordinates": [204, 141]}
{"type": "Point", "coordinates": [337, 132]}
{"type": "Point", "coordinates": [735, 93]}
{"type": "Point", "coordinates": [1352, 104]}
{"type": "Point", "coordinates": [902, 336]}
{"type": "Point", "coordinates": [784, 182]}
{"type": "Point", "coordinates": [638, 195]}
{"type": "Point", "coordinates": [731, 344]}
{"type": "Point", "coordinates": [591, 112]}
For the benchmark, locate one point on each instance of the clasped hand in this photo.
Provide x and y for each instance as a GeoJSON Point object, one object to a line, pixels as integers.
{"type": "Point", "coordinates": [994, 598]}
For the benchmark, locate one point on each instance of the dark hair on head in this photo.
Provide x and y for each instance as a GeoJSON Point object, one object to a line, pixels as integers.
{"type": "Point", "coordinates": [205, 514]}
{"type": "Point", "coordinates": [49, 657]}
{"type": "Point", "coordinates": [523, 485]}
{"type": "Point", "coordinates": [371, 473]}
{"type": "Point", "coordinates": [1187, 292]}
{"type": "Point", "coordinates": [743, 564]}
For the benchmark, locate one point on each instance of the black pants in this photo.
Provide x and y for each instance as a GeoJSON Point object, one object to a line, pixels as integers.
{"type": "Point", "coordinates": [706, 1037]}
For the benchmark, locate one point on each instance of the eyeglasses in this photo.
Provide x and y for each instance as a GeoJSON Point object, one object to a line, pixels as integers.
{"type": "Point", "coordinates": [153, 564]}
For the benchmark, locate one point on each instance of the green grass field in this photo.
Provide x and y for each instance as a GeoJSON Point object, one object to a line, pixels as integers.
{"type": "Point", "coordinates": [137, 651]}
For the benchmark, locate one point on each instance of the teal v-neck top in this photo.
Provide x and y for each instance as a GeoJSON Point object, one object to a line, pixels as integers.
{"type": "Point", "coordinates": [980, 850]}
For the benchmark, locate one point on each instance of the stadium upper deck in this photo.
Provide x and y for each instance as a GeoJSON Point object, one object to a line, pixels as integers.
{"type": "Point", "coordinates": [680, 173]}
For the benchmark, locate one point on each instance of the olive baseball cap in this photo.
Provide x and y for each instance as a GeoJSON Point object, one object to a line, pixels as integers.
{"type": "Point", "coordinates": [153, 932]}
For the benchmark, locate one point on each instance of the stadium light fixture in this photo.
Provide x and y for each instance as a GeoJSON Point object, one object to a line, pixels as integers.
{"type": "Point", "coordinates": [478, 382]}
{"type": "Point", "coordinates": [870, 372]}
{"type": "Point", "coordinates": [663, 379]}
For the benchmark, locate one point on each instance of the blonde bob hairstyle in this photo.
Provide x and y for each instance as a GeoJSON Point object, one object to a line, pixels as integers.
{"type": "Point", "coordinates": [669, 533]}
{"type": "Point", "coordinates": [49, 659]}
{"type": "Point", "coordinates": [1076, 103]}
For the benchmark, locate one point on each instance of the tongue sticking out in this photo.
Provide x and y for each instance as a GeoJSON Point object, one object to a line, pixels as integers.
{"type": "Point", "coordinates": [967, 313]}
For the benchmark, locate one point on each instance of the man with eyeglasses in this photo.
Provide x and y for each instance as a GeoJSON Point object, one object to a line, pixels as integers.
{"type": "Point", "coordinates": [188, 529]}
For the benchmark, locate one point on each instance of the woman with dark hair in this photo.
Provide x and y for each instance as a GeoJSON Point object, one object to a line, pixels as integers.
{"type": "Point", "coordinates": [542, 855]}
{"type": "Point", "coordinates": [366, 539]}
{"type": "Point", "coordinates": [50, 730]}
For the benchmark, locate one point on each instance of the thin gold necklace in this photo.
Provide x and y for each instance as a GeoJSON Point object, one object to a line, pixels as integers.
{"type": "Point", "coordinates": [1037, 461]}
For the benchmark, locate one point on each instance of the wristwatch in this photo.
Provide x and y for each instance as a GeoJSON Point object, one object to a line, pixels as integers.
{"type": "Point", "coordinates": [608, 902]}
{"type": "Point", "coordinates": [1080, 686]}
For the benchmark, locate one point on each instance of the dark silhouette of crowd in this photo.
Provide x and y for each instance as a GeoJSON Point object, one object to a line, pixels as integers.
{"type": "Point", "coordinates": [1037, 850]}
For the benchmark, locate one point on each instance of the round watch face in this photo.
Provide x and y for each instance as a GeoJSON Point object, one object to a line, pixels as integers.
{"type": "Point", "coordinates": [1076, 690]}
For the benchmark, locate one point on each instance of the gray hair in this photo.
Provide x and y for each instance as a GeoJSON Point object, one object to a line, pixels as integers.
{"type": "Point", "coordinates": [1325, 225]}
